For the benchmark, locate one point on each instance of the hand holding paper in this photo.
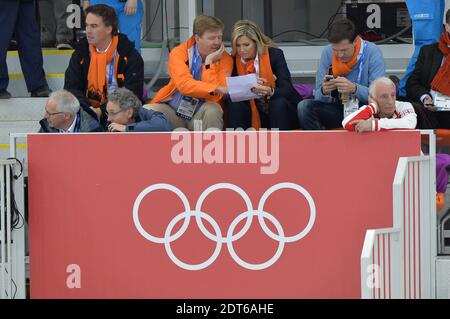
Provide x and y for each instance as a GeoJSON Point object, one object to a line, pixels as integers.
{"type": "Point", "coordinates": [240, 87]}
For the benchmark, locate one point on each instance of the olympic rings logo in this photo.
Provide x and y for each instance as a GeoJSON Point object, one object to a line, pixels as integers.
{"type": "Point", "coordinates": [230, 237]}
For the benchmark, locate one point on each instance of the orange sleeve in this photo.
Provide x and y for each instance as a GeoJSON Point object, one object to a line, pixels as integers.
{"type": "Point", "coordinates": [187, 85]}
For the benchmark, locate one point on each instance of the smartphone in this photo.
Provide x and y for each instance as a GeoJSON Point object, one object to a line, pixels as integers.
{"type": "Point", "coordinates": [328, 77]}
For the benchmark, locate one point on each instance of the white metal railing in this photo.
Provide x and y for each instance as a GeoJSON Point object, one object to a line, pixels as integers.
{"type": "Point", "coordinates": [381, 250]}
{"type": "Point", "coordinates": [6, 282]}
{"type": "Point", "coordinates": [399, 262]}
{"type": "Point", "coordinates": [18, 259]}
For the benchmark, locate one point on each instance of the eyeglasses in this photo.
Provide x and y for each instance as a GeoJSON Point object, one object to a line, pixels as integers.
{"type": "Point", "coordinates": [54, 113]}
{"type": "Point", "coordinates": [115, 113]}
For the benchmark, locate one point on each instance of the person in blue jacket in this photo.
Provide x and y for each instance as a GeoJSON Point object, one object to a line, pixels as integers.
{"type": "Point", "coordinates": [347, 67]}
{"type": "Point", "coordinates": [126, 114]}
{"type": "Point", "coordinates": [129, 13]}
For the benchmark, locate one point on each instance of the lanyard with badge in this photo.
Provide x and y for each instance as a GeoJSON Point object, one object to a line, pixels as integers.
{"type": "Point", "coordinates": [77, 127]}
{"type": "Point", "coordinates": [352, 104]}
{"type": "Point", "coordinates": [188, 104]}
{"type": "Point", "coordinates": [111, 74]}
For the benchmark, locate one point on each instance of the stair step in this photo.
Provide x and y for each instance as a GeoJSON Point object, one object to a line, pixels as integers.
{"type": "Point", "coordinates": [22, 109]}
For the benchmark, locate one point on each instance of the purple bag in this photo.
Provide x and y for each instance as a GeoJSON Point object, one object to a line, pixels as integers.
{"type": "Point", "coordinates": [305, 90]}
{"type": "Point", "coordinates": [442, 162]}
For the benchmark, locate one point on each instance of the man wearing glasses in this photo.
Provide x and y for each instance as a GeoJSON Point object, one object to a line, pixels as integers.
{"type": "Point", "coordinates": [63, 114]}
{"type": "Point", "coordinates": [126, 114]}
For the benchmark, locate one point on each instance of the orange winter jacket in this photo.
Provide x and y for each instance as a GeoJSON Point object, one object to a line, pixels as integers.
{"type": "Point", "coordinates": [181, 79]}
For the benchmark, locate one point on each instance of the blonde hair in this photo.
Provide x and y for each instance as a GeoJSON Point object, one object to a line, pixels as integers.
{"type": "Point", "coordinates": [204, 23]}
{"type": "Point", "coordinates": [250, 30]}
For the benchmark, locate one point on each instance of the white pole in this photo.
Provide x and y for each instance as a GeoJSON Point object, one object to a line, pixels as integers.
{"type": "Point", "coordinates": [188, 12]}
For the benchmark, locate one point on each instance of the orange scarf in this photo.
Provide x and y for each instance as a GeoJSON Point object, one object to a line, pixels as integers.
{"type": "Point", "coordinates": [441, 81]}
{"type": "Point", "coordinates": [97, 82]}
{"type": "Point", "coordinates": [265, 73]}
{"type": "Point", "coordinates": [343, 68]}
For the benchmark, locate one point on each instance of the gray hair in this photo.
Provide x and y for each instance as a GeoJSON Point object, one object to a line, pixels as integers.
{"type": "Point", "coordinates": [384, 80]}
{"type": "Point", "coordinates": [125, 99]}
{"type": "Point", "coordinates": [65, 101]}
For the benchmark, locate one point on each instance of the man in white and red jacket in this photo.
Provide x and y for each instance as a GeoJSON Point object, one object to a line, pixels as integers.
{"type": "Point", "coordinates": [383, 112]}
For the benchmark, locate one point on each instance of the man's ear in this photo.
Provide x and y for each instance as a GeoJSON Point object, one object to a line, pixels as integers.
{"type": "Point", "coordinates": [130, 113]}
{"type": "Point", "coordinates": [196, 37]}
{"type": "Point", "coordinates": [110, 28]}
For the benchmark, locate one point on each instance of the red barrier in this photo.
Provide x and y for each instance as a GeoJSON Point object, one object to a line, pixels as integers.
{"type": "Point", "coordinates": [123, 215]}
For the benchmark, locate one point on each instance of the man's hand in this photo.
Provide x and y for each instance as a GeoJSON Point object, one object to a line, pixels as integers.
{"type": "Point", "coordinates": [327, 85]}
{"type": "Point", "coordinates": [428, 103]}
{"type": "Point", "coordinates": [362, 125]}
{"type": "Point", "coordinates": [215, 56]}
{"type": "Point", "coordinates": [114, 127]}
{"type": "Point", "coordinates": [85, 4]}
{"type": "Point", "coordinates": [221, 90]}
{"type": "Point", "coordinates": [131, 7]}
{"type": "Point", "coordinates": [344, 85]}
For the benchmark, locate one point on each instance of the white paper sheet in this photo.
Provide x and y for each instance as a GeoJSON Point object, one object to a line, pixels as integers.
{"type": "Point", "coordinates": [239, 87]}
{"type": "Point", "coordinates": [441, 101]}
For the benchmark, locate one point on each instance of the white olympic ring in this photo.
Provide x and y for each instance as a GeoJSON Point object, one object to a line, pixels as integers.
{"type": "Point", "coordinates": [230, 238]}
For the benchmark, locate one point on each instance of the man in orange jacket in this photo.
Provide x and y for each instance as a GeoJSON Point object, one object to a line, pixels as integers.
{"type": "Point", "coordinates": [198, 69]}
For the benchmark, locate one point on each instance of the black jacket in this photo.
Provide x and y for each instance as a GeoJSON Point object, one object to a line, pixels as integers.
{"type": "Point", "coordinates": [283, 83]}
{"type": "Point", "coordinates": [130, 64]}
{"type": "Point", "coordinates": [427, 65]}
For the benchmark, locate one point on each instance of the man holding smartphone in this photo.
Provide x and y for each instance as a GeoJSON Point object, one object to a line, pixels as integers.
{"type": "Point", "coordinates": [347, 67]}
{"type": "Point", "coordinates": [431, 76]}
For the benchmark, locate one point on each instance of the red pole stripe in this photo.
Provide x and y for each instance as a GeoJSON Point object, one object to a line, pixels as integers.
{"type": "Point", "coordinates": [420, 260]}
{"type": "Point", "coordinates": [379, 268]}
{"type": "Point", "coordinates": [414, 227]}
{"type": "Point", "coordinates": [373, 270]}
{"type": "Point", "coordinates": [404, 239]}
{"type": "Point", "coordinates": [409, 231]}
{"type": "Point", "coordinates": [384, 268]}
{"type": "Point", "coordinates": [389, 264]}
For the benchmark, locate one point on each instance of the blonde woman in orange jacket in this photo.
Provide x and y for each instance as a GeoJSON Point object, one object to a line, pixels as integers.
{"type": "Point", "coordinates": [198, 69]}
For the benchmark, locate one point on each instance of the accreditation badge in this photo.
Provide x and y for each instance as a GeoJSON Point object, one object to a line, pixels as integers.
{"type": "Point", "coordinates": [351, 106]}
{"type": "Point", "coordinates": [187, 107]}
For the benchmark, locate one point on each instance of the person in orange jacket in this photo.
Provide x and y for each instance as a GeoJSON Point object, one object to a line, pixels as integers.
{"type": "Point", "coordinates": [198, 70]}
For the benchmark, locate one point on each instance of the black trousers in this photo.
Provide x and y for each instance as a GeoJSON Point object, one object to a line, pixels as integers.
{"type": "Point", "coordinates": [19, 17]}
{"type": "Point", "coordinates": [431, 120]}
{"type": "Point", "coordinates": [282, 115]}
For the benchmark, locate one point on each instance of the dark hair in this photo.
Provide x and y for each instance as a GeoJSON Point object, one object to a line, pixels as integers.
{"type": "Point", "coordinates": [342, 30]}
{"type": "Point", "coordinates": [107, 14]}
{"type": "Point", "coordinates": [447, 16]}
